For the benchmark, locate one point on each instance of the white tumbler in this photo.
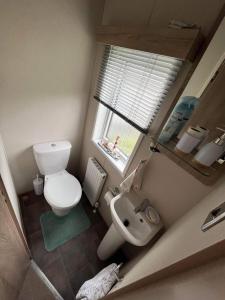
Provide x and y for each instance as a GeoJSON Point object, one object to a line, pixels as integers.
{"type": "Point", "coordinates": [189, 140]}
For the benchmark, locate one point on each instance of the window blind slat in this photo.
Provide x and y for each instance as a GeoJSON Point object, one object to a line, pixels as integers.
{"type": "Point", "coordinates": [134, 84]}
{"type": "Point", "coordinates": [113, 63]}
{"type": "Point", "coordinates": [132, 80]}
{"type": "Point", "coordinates": [143, 104]}
{"type": "Point", "coordinates": [145, 91]}
{"type": "Point", "coordinates": [140, 54]}
{"type": "Point", "coordinates": [127, 103]}
{"type": "Point", "coordinates": [118, 66]}
{"type": "Point", "coordinates": [142, 65]}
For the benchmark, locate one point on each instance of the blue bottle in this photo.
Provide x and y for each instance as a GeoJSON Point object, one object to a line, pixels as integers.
{"type": "Point", "coordinates": [180, 115]}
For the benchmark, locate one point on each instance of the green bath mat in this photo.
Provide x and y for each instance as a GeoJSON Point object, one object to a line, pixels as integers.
{"type": "Point", "coordinates": [58, 230]}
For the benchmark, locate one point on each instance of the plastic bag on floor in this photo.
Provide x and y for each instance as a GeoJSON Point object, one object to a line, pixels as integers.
{"type": "Point", "coordinates": [100, 285]}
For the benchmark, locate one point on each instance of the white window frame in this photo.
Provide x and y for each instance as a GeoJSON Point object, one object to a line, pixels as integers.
{"type": "Point", "coordinates": [122, 164]}
{"type": "Point", "coordinates": [124, 158]}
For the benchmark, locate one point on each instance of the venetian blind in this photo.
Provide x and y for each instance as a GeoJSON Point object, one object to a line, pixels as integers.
{"type": "Point", "coordinates": [134, 84]}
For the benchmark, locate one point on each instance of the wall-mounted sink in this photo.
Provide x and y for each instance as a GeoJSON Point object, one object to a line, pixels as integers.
{"type": "Point", "coordinates": [128, 225]}
{"type": "Point", "coordinates": [134, 227]}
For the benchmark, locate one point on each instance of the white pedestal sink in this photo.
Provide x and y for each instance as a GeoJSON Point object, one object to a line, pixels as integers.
{"type": "Point", "coordinates": [127, 226]}
{"type": "Point", "coordinates": [110, 243]}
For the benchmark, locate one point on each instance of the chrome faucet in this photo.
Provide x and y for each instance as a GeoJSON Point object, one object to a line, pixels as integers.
{"type": "Point", "coordinates": [142, 207]}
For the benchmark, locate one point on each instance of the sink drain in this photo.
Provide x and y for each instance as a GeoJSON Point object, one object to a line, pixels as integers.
{"type": "Point", "coordinates": [126, 223]}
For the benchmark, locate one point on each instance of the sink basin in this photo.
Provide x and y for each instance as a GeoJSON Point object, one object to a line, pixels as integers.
{"type": "Point", "coordinates": [134, 227]}
{"type": "Point", "coordinates": [127, 226]}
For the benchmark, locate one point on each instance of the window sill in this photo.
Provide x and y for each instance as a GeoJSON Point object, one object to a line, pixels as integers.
{"type": "Point", "coordinates": [118, 164]}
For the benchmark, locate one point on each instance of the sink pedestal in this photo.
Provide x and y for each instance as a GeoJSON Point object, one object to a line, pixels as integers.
{"type": "Point", "coordinates": [128, 225]}
{"type": "Point", "coordinates": [110, 243]}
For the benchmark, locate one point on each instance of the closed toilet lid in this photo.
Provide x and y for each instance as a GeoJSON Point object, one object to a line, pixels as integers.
{"type": "Point", "coordinates": [62, 190]}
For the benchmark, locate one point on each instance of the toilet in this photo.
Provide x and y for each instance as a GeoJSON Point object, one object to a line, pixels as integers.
{"type": "Point", "coordinates": [62, 190]}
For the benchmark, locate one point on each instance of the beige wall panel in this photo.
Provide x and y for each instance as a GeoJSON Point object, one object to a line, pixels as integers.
{"type": "Point", "coordinates": [14, 260]}
{"type": "Point", "coordinates": [126, 12]}
{"type": "Point", "coordinates": [205, 282]}
{"type": "Point", "coordinates": [8, 182]}
{"type": "Point", "coordinates": [47, 54]}
{"type": "Point", "coordinates": [201, 12]}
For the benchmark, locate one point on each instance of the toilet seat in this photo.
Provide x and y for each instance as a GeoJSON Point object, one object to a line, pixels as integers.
{"type": "Point", "coordinates": [62, 190]}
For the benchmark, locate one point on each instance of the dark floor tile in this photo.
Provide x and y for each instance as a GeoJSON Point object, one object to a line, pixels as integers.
{"type": "Point", "coordinates": [101, 229]}
{"type": "Point", "coordinates": [78, 278]}
{"type": "Point", "coordinates": [117, 258]}
{"type": "Point", "coordinates": [90, 246]}
{"type": "Point", "coordinates": [41, 256]}
{"type": "Point", "coordinates": [30, 198]}
{"type": "Point", "coordinates": [31, 216]}
{"type": "Point", "coordinates": [95, 264]}
{"type": "Point", "coordinates": [73, 255]}
{"type": "Point", "coordinates": [94, 217]}
{"type": "Point", "coordinates": [58, 277]}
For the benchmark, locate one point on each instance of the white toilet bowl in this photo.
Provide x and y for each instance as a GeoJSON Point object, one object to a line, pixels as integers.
{"type": "Point", "coordinates": [62, 191]}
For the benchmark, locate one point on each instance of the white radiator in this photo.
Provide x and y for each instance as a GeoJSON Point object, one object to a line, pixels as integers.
{"type": "Point", "coordinates": [94, 180]}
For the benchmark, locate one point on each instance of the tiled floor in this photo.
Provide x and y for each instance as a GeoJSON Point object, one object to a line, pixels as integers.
{"type": "Point", "coordinates": [68, 266]}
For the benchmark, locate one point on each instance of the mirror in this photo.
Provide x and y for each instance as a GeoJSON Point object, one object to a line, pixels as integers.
{"type": "Point", "coordinates": [194, 134]}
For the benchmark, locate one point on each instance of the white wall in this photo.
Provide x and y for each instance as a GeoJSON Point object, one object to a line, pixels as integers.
{"type": "Point", "coordinates": [170, 189]}
{"type": "Point", "coordinates": [205, 282]}
{"type": "Point", "coordinates": [213, 57]}
{"type": "Point", "coordinates": [47, 52]}
{"type": "Point", "coordinates": [8, 182]}
{"type": "Point", "coordinates": [182, 240]}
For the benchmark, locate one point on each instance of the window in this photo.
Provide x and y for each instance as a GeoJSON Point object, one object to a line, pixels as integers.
{"type": "Point", "coordinates": [133, 84]}
{"type": "Point", "coordinates": [116, 138]}
{"type": "Point", "coordinates": [126, 134]}
{"type": "Point", "coordinates": [131, 87]}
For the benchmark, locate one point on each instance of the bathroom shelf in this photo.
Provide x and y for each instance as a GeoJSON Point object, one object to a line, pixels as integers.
{"type": "Point", "coordinates": [207, 175]}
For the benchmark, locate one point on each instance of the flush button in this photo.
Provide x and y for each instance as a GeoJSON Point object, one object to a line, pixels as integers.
{"type": "Point", "coordinates": [53, 145]}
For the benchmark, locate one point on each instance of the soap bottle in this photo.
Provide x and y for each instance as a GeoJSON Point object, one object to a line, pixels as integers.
{"type": "Point", "coordinates": [169, 130]}
{"type": "Point", "coordinates": [211, 151]}
{"type": "Point", "coordinates": [186, 107]}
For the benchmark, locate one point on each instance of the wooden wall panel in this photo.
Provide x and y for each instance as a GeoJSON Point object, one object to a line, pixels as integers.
{"type": "Point", "coordinates": [14, 259]}
{"type": "Point", "coordinates": [180, 43]}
